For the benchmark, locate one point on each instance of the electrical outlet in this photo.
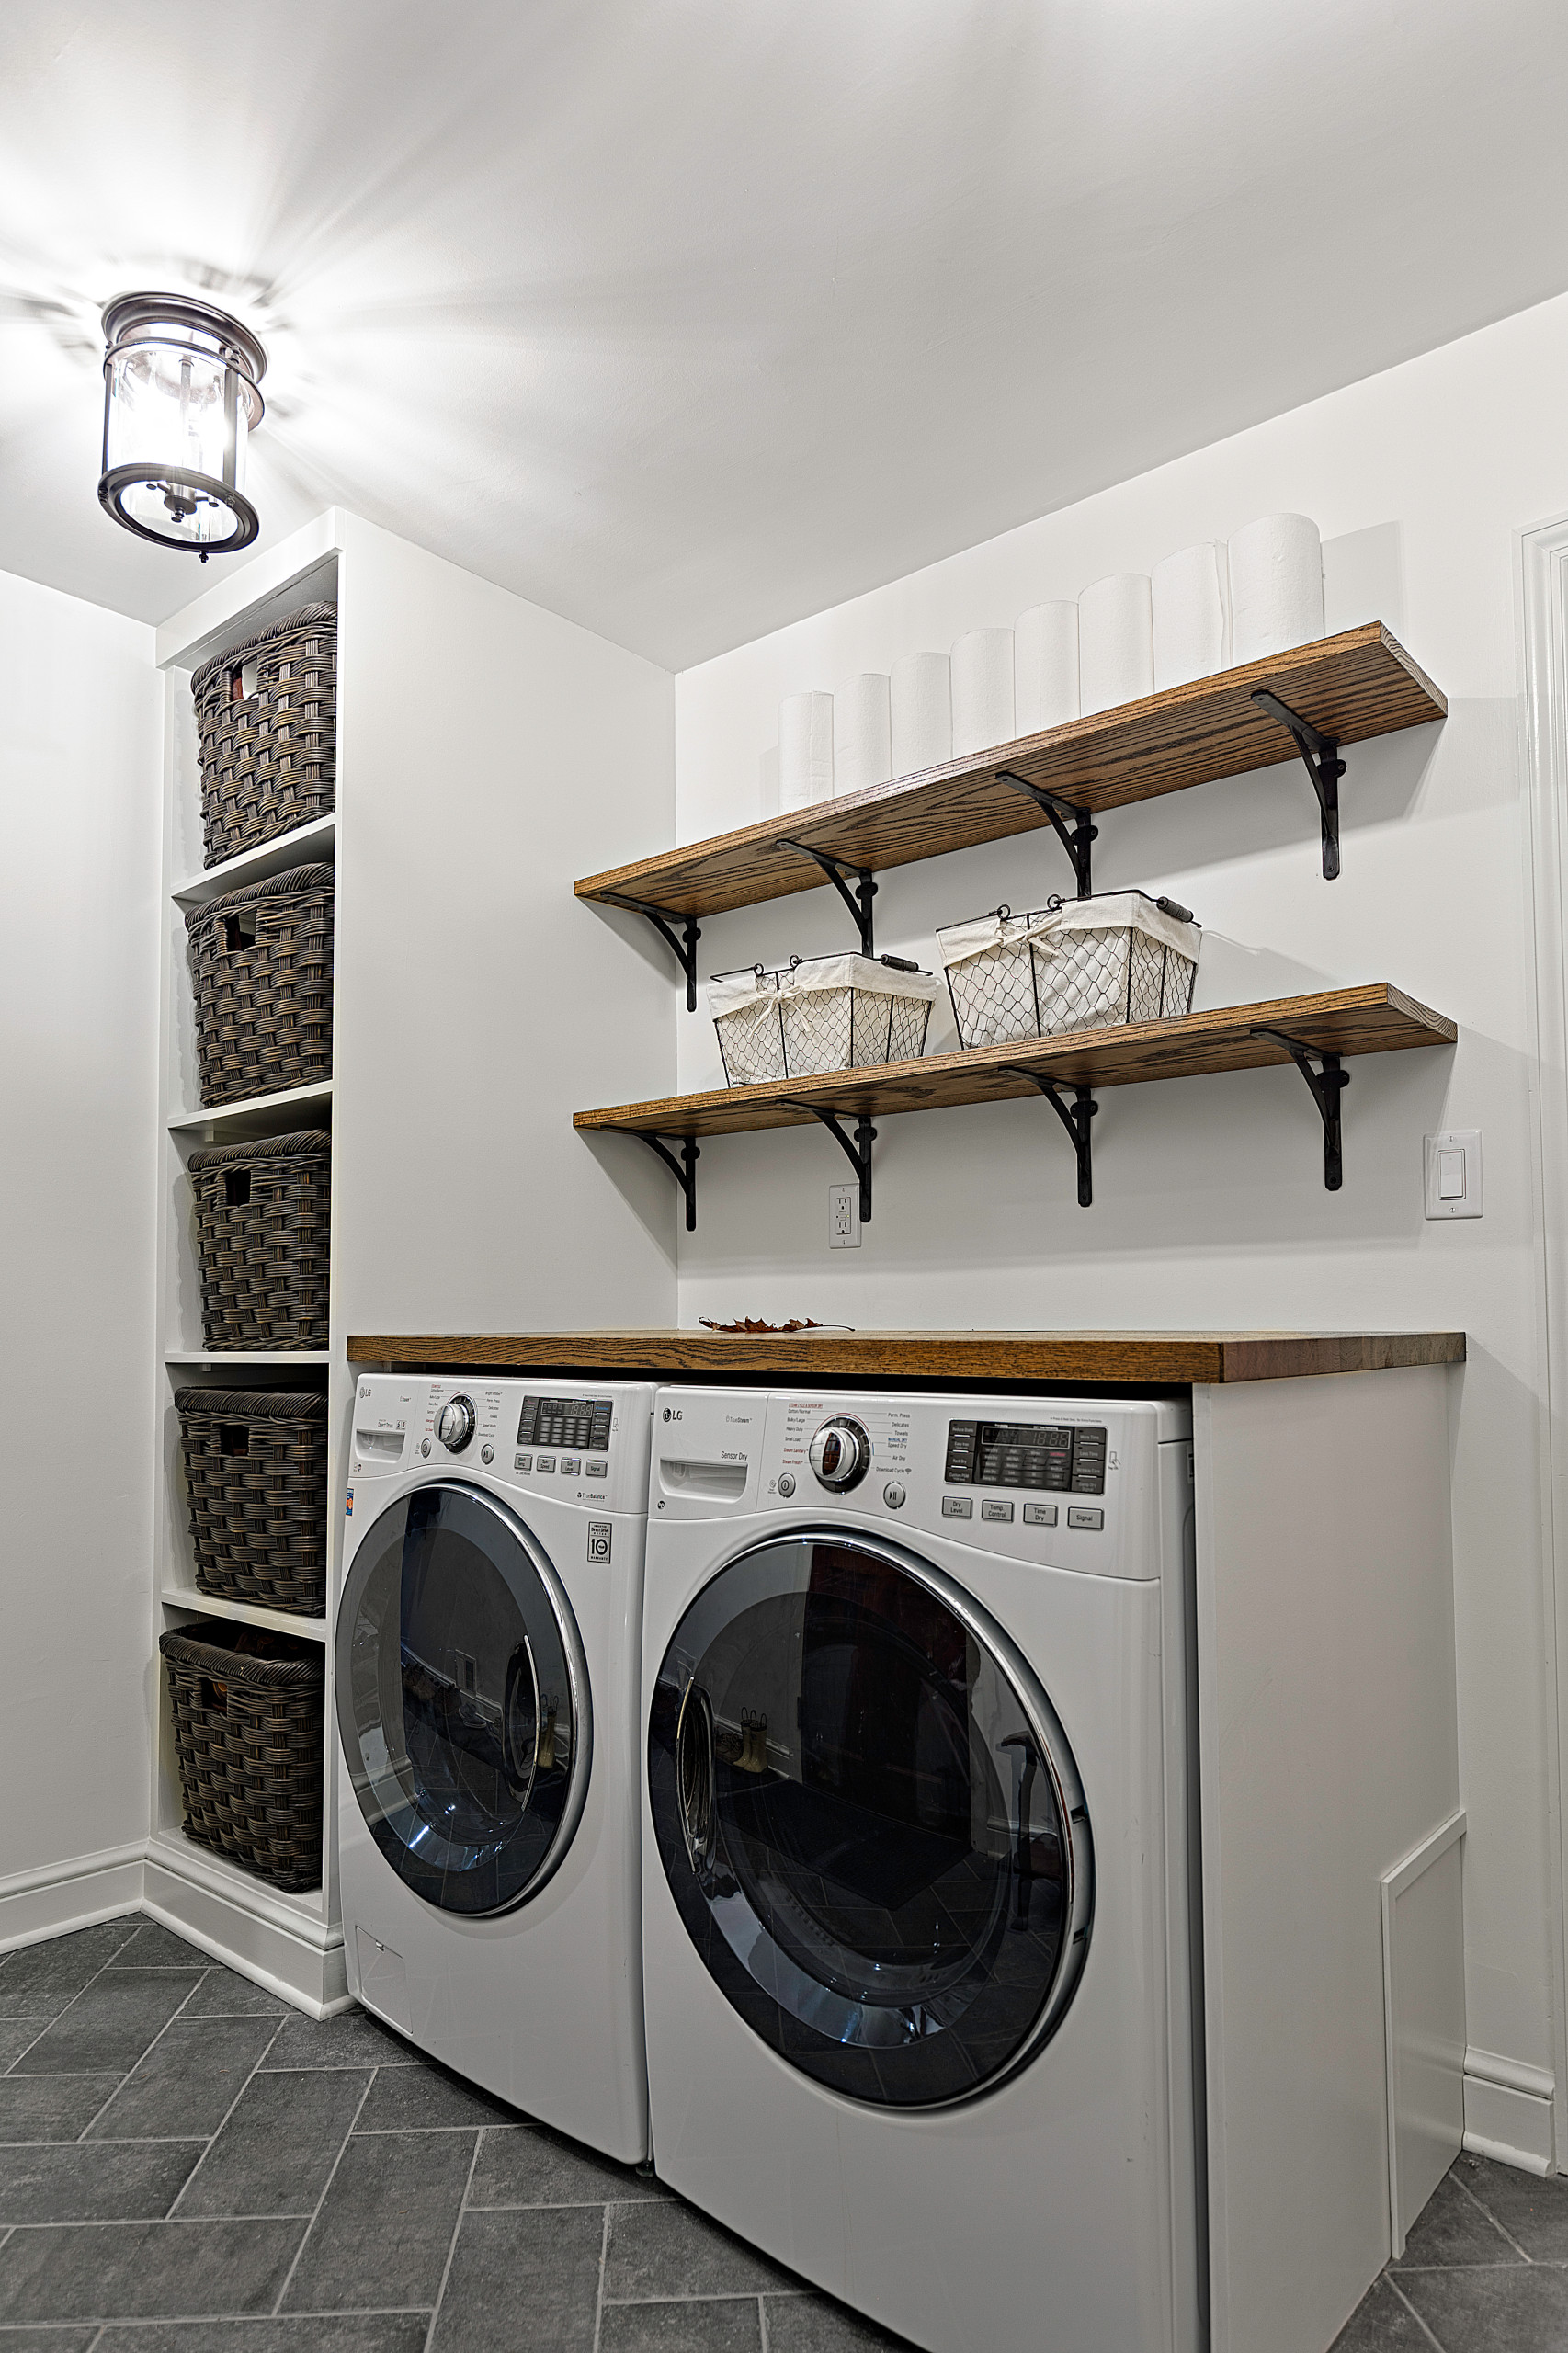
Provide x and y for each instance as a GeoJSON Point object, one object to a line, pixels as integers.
{"type": "Point", "coordinates": [844, 1217]}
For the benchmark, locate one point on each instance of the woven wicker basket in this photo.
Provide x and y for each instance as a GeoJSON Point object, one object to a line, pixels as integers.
{"type": "Point", "coordinates": [269, 757]}
{"type": "Point", "coordinates": [249, 1735]}
{"type": "Point", "coordinates": [256, 1473]}
{"type": "Point", "coordinates": [261, 968]}
{"type": "Point", "coordinates": [261, 1240]}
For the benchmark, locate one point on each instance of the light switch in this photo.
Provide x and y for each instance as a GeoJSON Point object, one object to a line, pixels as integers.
{"type": "Point", "coordinates": [1453, 1174]}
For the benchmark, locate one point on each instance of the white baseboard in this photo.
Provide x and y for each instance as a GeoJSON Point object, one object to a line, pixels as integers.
{"type": "Point", "coordinates": [1508, 2111]}
{"type": "Point", "coordinates": [73, 1894]}
{"type": "Point", "coordinates": [276, 1944]}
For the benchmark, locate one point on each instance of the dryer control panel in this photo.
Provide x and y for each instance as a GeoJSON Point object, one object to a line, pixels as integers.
{"type": "Point", "coordinates": [591, 1450]}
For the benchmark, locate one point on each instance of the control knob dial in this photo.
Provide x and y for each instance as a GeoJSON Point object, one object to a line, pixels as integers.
{"type": "Point", "coordinates": [840, 1454]}
{"type": "Point", "coordinates": [454, 1423]}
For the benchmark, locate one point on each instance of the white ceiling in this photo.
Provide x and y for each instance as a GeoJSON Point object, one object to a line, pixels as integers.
{"type": "Point", "coordinates": [687, 317]}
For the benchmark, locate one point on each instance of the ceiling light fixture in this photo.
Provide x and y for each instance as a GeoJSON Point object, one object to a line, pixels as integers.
{"type": "Point", "coordinates": [180, 400]}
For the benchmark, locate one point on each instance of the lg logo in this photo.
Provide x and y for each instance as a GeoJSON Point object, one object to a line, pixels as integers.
{"type": "Point", "coordinates": [673, 1412]}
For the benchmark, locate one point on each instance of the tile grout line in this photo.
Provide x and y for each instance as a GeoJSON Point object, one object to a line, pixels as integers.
{"type": "Point", "coordinates": [130, 2071]}
{"type": "Point", "coordinates": [603, 2260]}
{"type": "Point", "coordinates": [1491, 2218]}
{"type": "Point", "coordinates": [452, 2242]}
{"type": "Point", "coordinates": [762, 2324]}
{"type": "Point", "coordinates": [1415, 2315]}
{"type": "Point", "coordinates": [321, 2201]}
{"type": "Point", "coordinates": [211, 2137]}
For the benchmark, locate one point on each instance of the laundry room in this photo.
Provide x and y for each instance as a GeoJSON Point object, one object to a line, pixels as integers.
{"type": "Point", "coordinates": [785, 1036]}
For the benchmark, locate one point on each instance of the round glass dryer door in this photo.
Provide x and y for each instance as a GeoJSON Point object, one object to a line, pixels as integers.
{"type": "Point", "coordinates": [869, 1820]}
{"type": "Point", "coordinates": [462, 1699]}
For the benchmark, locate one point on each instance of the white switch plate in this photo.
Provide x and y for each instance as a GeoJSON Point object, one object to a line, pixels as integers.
{"type": "Point", "coordinates": [1453, 1173]}
{"type": "Point", "coordinates": [844, 1217]}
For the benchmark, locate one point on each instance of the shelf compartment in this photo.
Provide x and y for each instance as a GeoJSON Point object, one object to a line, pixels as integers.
{"type": "Point", "coordinates": [310, 844]}
{"type": "Point", "coordinates": [243, 1613]}
{"type": "Point", "coordinates": [1329, 1025]}
{"type": "Point", "coordinates": [258, 1115]}
{"type": "Point", "coordinates": [221, 1357]}
{"type": "Point", "coordinates": [1348, 689]}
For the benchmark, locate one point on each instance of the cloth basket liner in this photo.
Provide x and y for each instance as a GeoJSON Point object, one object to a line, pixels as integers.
{"type": "Point", "coordinates": [1113, 911]}
{"type": "Point", "coordinates": [731, 991]}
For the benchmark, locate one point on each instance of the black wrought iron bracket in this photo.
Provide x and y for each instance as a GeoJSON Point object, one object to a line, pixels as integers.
{"type": "Point", "coordinates": [1061, 814]}
{"type": "Point", "coordinates": [1075, 1122]}
{"type": "Point", "coordinates": [683, 949]}
{"type": "Point", "coordinates": [1326, 1086]}
{"type": "Point", "coordinates": [1320, 758]}
{"type": "Point", "coordinates": [858, 901]}
{"type": "Point", "coordinates": [857, 1154]}
{"type": "Point", "coordinates": [683, 1170]}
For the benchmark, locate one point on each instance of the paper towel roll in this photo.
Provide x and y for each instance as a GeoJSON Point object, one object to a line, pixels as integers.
{"type": "Point", "coordinates": [1116, 642]}
{"type": "Point", "coordinates": [805, 750]}
{"type": "Point", "coordinates": [862, 734]}
{"type": "Point", "coordinates": [1045, 667]}
{"type": "Point", "coordinates": [1276, 586]}
{"type": "Point", "coordinates": [922, 713]}
{"type": "Point", "coordinates": [982, 690]}
{"type": "Point", "coordinates": [1190, 594]}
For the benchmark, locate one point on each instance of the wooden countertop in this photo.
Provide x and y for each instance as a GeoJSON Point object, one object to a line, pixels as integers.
{"type": "Point", "coordinates": [1152, 1359]}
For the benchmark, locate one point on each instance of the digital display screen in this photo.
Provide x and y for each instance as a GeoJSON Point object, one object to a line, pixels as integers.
{"type": "Point", "coordinates": [571, 1422]}
{"type": "Point", "coordinates": [1050, 1455]}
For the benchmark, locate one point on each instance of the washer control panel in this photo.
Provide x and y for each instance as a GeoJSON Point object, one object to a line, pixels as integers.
{"type": "Point", "coordinates": [587, 1451]}
{"type": "Point", "coordinates": [1067, 1457]}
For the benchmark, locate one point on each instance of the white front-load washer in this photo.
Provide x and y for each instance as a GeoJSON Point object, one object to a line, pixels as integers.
{"type": "Point", "coordinates": [919, 1952]}
{"type": "Point", "coordinates": [486, 1662]}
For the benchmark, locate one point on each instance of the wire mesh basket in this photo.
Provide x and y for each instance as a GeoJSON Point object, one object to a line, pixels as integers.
{"type": "Point", "coordinates": [819, 1013]}
{"type": "Point", "coordinates": [1074, 964]}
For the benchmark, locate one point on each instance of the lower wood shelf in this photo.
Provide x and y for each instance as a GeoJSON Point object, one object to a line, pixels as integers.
{"type": "Point", "coordinates": [1322, 1029]}
{"type": "Point", "coordinates": [243, 1613]}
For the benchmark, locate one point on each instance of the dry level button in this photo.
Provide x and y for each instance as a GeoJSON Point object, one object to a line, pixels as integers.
{"type": "Point", "coordinates": [1039, 1515]}
{"type": "Point", "coordinates": [1080, 1515]}
{"type": "Point", "coordinates": [958, 1507]}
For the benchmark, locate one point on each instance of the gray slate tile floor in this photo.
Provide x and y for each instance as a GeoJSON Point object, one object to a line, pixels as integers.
{"type": "Point", "coordinates": [187, 2166]}
{"type": "Point", "coordinates": [1484, 2271]}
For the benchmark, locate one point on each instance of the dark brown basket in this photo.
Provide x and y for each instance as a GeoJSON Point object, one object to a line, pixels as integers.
{"type": "Point", "coordinates": [261, 1238]}
{"type": "Point", "coordinates": [261, 968]}
{"type": "Point", "coordinates": [268, 757]}
{"type": "Point", "coordinates": [249, 1733]}
{"type": "Point", "coordinates": [255, 1473]}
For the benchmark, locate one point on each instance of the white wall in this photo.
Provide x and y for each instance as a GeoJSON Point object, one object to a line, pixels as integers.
{"type": "Point", "coordinates": [1209, 1201]}
{"type": "Point", "coordinates": [79, 791]}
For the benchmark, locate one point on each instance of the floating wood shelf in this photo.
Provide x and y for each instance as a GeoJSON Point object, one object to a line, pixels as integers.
{"type": "Point", "coordinates": [1144, 1358]}
{"type": "Point", "coordinates": [1347, 689]}
{"type": "Point", "coordinates": [1330, 1025]}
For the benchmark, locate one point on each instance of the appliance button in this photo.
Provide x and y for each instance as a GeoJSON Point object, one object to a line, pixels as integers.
{"type": "Point", "coordinates": [487, 1454]}
{"type": "Point", "coordinates": [958, 1507]}
{"type": "Point", "coordinates": [544, 1461]}
{"type": "Point", "coordinates": [569, 1466]}
{"type": "Point", "coordinates": [1039, 1515]}
{"type": "Point", "coordinates": [1080, 1515]}
{"type": "Point", "coordinates": [522, 1462]}
{"type": "Point", "coordinates": [424, 1446]}
{"type": "Point", "coordinates": [893, 1495]}
{"type": "Point", "coordinates": [994, 1508]}
{"type": "Point", "coordinates": [786, 1484]}
{"type": "Point", "coordinates": [597, 1470]}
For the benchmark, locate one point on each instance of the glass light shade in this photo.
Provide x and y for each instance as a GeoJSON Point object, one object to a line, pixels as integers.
{"type": "Point", "coordinates": [180, 399]}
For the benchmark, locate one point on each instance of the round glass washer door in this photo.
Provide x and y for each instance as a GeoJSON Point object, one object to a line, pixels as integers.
{"type": "Point", "coordinates": [869, 1820]}
{"type": "Point", "coordinates": [462, 1699]}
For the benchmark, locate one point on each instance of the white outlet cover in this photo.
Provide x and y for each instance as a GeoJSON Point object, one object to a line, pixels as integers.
{"type": "Point", "coordinates": [1453, 1173]}
{"type": "Point", "coordinates": [844, 1217]}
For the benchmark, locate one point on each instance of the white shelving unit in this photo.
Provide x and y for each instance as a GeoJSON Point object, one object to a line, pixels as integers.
{"type": "Point", "coordinates": [292, 1942]}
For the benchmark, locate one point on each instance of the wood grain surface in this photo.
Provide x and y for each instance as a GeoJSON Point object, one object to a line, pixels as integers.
{"type": "Point", "coordinates": [1152, 1360]}
{"type": "Point", "coordinates": [1359, 684]}
{"type": "Point", "coordinates": [1373, 1019]}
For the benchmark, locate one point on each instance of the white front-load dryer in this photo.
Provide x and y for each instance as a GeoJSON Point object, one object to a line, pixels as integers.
{"type": "Point", "coordinates": [485, 1656]}
{"type": "Point", "coordinates": [917, 1941]}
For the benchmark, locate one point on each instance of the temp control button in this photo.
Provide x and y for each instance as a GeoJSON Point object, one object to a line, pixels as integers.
{"type": "Point", "coordinates": [786, 1484]}
{"type": "Point", "coordinates": [958, 1507]}
{"type": "Point", "coordinates": [1080, 1515]}
{"type": "Point", "coordinates": [995, 1508]}
{"type": "Point", "coordinates": [1039, 1515]}
{"type": "Point", "coordinates": [894, 1496]}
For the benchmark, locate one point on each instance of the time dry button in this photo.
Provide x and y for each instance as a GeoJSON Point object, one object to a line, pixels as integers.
{"type": "Point", "coordinates": [1039, 1515]}
{"type": "Point", "coordinates": [1080, 1515]}
{"type": "Point", "coordinates": [786, 1484]}
{"type": "Point", "coordinates": [893, 1495]}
